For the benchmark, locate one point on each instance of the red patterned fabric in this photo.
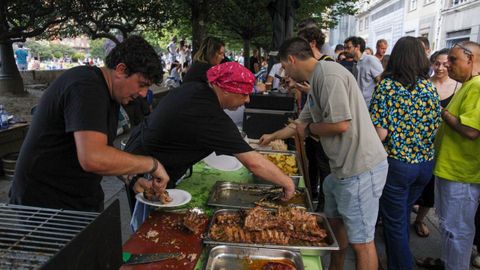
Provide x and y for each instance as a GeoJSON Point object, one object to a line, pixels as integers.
{"type": "Point", "coordinates": [232, 77]}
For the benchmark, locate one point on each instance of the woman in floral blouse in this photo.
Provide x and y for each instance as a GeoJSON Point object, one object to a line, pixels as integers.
{"type": "Point", "coordinates": [405, 110]}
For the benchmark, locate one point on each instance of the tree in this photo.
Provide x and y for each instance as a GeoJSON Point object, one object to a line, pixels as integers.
{"type": "Point", "coordinates": [38, 49]}
{"type": "Point", "coordinates": [20, 19]}
{"type": "Point", "coordinates": [326, 12]}
{"type": "Point", "coordinates": [97, 48]}
{"type": "Point", "coordinates": [113, 18]}
{"type": "Point", "coordinates": [244, 20]}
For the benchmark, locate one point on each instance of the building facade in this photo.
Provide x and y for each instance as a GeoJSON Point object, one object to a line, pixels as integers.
{"type": "Point", "coordinates": [422, 18]}
{"type": "Point", "coordinates": [346, 27]}
{"type": "Point", "coordinates": [443, 22]}
{"type": "Point", "coordinates": [460, 21]}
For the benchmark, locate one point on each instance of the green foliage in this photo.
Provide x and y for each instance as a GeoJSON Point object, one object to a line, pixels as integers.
{"type": "Point", "coordinates": [46, 50]}
{"type": "Point", "coordinates": [325, 12]}
{"type": "Point", "coordinates": [38, 49]}
{"type": "Point", "coordinates": [60, 50]}
{"type": "Point", "coordinates": [96, 48]}
{"type": "Point", "coordinates": [78, 56]}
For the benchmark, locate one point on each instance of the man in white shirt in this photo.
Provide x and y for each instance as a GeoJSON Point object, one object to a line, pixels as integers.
{"type": "Point", "coordinates": [172, 49]}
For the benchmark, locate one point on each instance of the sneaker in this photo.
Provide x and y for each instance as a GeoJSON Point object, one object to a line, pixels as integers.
{"type": "Point", "coordinates": [476, 261]}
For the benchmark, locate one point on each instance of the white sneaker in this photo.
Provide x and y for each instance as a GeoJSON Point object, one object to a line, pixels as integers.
{"type": "Point", "coordinates": [476, 261]}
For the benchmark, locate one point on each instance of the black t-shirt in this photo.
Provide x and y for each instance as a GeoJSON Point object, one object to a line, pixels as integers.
{"type": "Point", "coordinates": [185, 127]}
{"type": "Point", "coordinates": [254, 60]}
{"type": "Point", "coordinates": [197, 72]}
{"type": "Point", "coordinates": [48, 173]}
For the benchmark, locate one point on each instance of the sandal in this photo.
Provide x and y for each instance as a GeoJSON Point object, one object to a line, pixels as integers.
{"type": "Point", "coordinates": [421, 229]}
{"type": "Point", "coordinates": [430, 263]}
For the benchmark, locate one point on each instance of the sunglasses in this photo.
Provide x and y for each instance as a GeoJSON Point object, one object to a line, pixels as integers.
{"type": "Point", "coordinates": [466, 50]}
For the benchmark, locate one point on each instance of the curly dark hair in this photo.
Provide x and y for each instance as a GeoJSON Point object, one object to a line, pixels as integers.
{"type": "Point", "coordinates": [356, 41]}
{"type": "Point", "coordinates": [408, 62]}
{"type": "Point", "coordinates": [311, 34]}
{"type": "Point", "coordinates": [139, 57]}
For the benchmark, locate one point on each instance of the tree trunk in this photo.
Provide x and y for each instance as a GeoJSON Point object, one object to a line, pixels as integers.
{"type": "Point", "coordinates": [10, 79]}
{"type": "Point", "coordinates": [199, 15]}
{"type": "Point", "coordinates": [246, 53]}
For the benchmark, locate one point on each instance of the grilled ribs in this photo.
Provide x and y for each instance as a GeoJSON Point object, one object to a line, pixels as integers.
{"type": "Point", "coordinates": [288, 226]}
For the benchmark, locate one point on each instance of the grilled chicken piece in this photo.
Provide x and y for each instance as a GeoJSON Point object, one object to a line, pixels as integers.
{"type": "Point", "coordinates": [162, 197]}
{"type": "Point", "coordinates": [165, 197]}
{"type": "Point", "coordinates": [228, 218]}
{"type": "Point", "coordinates": [258, 219]}
{"type": "Point", "coordinates": [194, 222]}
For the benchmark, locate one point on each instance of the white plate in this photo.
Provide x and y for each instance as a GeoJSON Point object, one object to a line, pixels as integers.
{"type": "Point", "coordinates": [223, 162]}
{"type": "Point", "coordinates": [180, 197]}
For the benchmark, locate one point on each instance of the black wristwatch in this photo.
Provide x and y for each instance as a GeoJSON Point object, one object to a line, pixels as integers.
{"type": "Point", "coordinates": [307, 130]}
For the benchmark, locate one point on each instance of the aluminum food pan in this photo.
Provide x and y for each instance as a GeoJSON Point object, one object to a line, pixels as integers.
{"type": "Point", "coordinates": [295, 178]}
{"type": "Point", "coordinates": [235, 257]}
{"type": "Point", "coordinates": [331, 241]}
{"type": "Point", "coordinates": [241, 195]}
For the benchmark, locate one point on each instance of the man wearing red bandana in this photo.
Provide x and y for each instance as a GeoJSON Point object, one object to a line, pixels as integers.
{"type": "Point", "coordinates": [189, 124]}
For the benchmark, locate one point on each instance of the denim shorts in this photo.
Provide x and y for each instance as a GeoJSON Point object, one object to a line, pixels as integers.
{"type": "Point", "coordinates": [355, 200]}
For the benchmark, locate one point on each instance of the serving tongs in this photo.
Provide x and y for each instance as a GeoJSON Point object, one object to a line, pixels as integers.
{"type": "Point", "coordinates": [274, 194]}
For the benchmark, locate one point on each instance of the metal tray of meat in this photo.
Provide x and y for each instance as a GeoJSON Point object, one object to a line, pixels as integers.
{"type": "Point", "coordinates": [330, 240]}
{"type": "Point", "coordinates": [240, 195]}
{"type": "Point", "coordinates": [234, 257]}
{"type": "Point", "coordinates": [295, 177]}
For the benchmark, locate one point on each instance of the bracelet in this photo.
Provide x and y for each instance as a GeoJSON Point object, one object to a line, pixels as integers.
{"type": "Point", "coordinates": [155, 166]}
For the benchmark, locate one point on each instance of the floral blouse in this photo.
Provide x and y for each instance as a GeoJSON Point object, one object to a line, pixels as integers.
{"type": "Point", "coordinates": [411, 118]}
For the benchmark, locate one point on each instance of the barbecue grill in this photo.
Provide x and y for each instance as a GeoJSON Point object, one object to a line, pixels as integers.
{"type": "Point", "coordinates": [41, 238]}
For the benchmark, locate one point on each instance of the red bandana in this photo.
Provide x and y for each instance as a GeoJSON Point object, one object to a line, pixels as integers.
{"type": "Point", "coordinates": [231, 77]}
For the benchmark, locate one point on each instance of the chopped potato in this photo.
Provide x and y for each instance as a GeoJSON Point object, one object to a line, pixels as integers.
{"type": "Point", "coordinates": [286, 162]}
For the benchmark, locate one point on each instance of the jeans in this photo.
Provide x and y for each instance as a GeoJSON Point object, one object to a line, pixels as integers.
{"type": "Point", "coordinates": [456, 204]}
{"type": "Point", "coordinates": [405, 183]}
{"type": "Point", "coordinates": [355, 200]}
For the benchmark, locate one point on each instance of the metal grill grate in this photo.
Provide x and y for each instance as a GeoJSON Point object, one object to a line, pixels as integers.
{"type": "Point", "coordinates": [30, 236]}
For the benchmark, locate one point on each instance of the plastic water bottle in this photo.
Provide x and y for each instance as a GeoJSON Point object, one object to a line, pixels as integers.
{"type": "Point", "coordinates": [3, 118]}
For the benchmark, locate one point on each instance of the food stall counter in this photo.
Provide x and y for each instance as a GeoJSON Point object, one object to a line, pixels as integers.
{"type": "Point", "coordinates": [201, 183]}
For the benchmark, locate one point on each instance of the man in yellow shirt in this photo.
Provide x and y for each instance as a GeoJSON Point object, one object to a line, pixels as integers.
{"type": "Point", "coordinates": [458, 158]}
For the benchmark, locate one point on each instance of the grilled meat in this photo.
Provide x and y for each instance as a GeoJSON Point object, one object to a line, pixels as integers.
{"type": "Point", "coordinates": [258, 219]}
{"type": "Point", "coordinates": [288, 226]}
{"type": "Point", "coordinates": [278, 266]}
{"type": "Point", "coordinates": [162, 197]}
{"type": "Point", "coordinates": [194, 222]}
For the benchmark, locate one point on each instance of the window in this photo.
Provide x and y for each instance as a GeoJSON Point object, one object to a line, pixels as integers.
{"type": "Point", "coordinates": [429, 2]}
{"type": "Point", "coordinates": [360, 25]}
{"type": "Point", "coordinates": [413, 5]}
{"type": "Point", "coordinates": [410, 33]}
{"type": "Point", "coordinates": [366, 23]}
{"type": "Point", "coordinates": [457, 36]}
{"type": "Point", "coordinates": [458, 2]}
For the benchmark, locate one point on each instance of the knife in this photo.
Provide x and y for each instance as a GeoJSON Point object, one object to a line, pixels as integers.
{"type": "Point", "coordinates": [129, 258]}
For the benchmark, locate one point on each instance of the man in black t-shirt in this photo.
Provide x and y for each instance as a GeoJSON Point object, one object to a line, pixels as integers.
{"type": "Point", "coordinates": [69, 144]}
{"type": "Point", "coordinates": [189, 124]}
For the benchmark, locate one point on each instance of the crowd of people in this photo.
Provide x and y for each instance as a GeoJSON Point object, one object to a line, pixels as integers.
{"type": "Point", "coordinates": [424, 109]}
{"type": "Point", "coordinates": [382, 133]}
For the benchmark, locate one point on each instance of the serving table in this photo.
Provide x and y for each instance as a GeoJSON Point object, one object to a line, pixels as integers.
{"type": "Point", "coordinates": [200, 185]}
